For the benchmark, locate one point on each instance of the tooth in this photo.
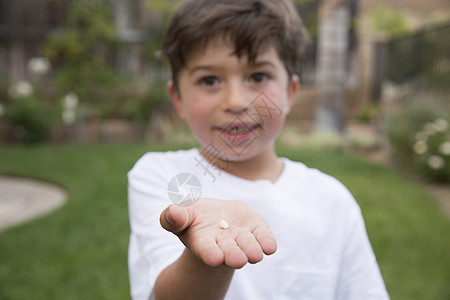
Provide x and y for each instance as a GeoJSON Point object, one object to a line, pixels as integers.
{"type": "Point", "coordinates": [237, 130]}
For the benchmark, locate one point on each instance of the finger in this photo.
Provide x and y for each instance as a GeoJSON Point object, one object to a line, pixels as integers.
{"type": "Point", "coordinates": [208, 251]}
{"type": "Point", "coordinates": [250, 246]}
{"type": "Point", "coordinates": [175, 219]}
{"type": "Point", "coordinates": [265, 239]}
{"type": "Point", "coordinates": [234, 257]}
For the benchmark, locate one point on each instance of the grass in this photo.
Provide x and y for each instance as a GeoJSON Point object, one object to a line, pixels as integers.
{"type": "Point", "coordinates": [80, 251]}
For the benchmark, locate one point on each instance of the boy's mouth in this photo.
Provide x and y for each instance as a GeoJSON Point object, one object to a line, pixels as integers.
{"type": "Point", "coordinates": [238, 128]}
{"type": "Point", "coordinates": [238, 132]}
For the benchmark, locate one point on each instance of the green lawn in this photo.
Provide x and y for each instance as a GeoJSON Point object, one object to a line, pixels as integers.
{"type": "Point", "coordinates": [80, 251]}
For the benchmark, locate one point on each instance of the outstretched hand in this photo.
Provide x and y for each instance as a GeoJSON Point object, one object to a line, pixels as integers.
{"type": "Point", "coordinates": [199, 228]}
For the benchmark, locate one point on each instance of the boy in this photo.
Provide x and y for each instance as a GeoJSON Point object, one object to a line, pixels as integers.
{"type": "Point", "coordinates": [233, 81]}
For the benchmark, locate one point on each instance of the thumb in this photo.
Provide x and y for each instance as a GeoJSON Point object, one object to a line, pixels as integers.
{"type": "Point", "coordinates": [175, 219]}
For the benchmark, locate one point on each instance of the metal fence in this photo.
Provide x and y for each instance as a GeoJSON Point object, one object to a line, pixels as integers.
{"type": "Point", "coordinates": [420, 61]}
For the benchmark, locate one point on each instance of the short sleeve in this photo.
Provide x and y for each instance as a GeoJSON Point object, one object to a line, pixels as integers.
{"type": "Point", "coordinates": [359, 276]}
{"type": "Point", "coordinates": [151, 248]}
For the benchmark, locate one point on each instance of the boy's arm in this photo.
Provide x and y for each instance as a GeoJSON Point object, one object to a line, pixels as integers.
{"type": "Point", "coordinates": [190, 278]}
{"type": "Point", "coordinates": [205, 268]}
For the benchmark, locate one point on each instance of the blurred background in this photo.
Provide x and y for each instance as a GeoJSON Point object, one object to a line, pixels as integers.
{"type": "Point", "coordinates": [86, 72]}
{"type": "Point", "coordinates": [83, 96]}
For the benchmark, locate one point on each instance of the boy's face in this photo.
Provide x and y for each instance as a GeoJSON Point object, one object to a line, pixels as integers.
{"type": "Point", "coordinates": [232, 105]}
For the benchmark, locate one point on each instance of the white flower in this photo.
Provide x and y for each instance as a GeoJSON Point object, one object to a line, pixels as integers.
{"type": "Point", "coordinates": [420, 147]}
{"type": "Point", "coordinates": [421, 136]}
{"type": "Point", "coordinates": [39, 65]}
{"type": "Point", "coordinates": [436, 162]}
{"type": "Point", "coordinates": [441, 125]}
{"type": "Point", "coordinates": [429, 128]}
{"type": "Point", "coordinates": [20, 89]}
{"type": "Point", "coordinates": [445, 148]}
{"type": "Point", "coordinates": [68, 116]}
{"type": "Point", "coordinates": [70, 101]}
{"type": "Point", "coordinates": [70, 105]}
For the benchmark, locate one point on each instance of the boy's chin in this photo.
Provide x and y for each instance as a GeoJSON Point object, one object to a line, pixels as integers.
{"type": "Point", "coordinates": [224, 152]}
{"type": "Point", "coordinates": [240, 154]}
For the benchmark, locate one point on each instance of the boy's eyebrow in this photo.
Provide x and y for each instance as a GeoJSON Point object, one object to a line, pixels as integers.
{"type": "Point", "coordinates": [257, 64]}
{"type": "Point", "coordinates": [263, 63]}
{"type": "Point", "coordinates": [201, 68]}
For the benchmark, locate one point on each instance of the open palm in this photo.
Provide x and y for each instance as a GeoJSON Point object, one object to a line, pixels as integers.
{"type": "Point", "coordinates": [198, 227]}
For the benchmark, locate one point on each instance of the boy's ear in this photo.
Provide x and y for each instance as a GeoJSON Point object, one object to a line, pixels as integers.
{"type": "Point", "coordinates": [176, 99]}
{"type": "Point", "coordinates": [292, 90]}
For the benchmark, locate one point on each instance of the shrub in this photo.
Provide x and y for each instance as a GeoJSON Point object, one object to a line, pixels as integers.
{"type": "Point", "coordinates": [416, 134]}
{"type": "Point", "coordinates": [368, 113]}
{"type": "Point", "coordinates": [388, 22]}
{"type": "Point", "coordinates": [83, 52]}
{"type": "Point", "coordinates": [432, 150]}
{"type": "Point", "coordinates": [31, 119]}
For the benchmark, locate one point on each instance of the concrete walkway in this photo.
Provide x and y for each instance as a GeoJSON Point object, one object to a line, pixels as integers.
{"type": "Point", "coordinates": [24, 199]}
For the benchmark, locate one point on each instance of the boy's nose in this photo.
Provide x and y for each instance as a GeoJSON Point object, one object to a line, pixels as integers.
{"type": "Point", "coordinates": [235, 98]}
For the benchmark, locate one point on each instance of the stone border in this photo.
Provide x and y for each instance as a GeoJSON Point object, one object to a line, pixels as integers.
{"type": "Point", "coordinates": [23, 199]}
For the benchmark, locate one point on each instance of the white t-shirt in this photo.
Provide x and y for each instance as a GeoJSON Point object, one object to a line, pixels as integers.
{"type": "Point", "coordinates": [323, 249]}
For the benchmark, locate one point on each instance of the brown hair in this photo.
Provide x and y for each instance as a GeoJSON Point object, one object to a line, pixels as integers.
{"type": "Point", "coordinates": [253, 25]}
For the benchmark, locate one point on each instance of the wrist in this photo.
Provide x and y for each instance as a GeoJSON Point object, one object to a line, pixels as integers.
{"type": "Point", "coordinates": [194, 278]}
{"type": "Point", "coordinates": [192, 262]}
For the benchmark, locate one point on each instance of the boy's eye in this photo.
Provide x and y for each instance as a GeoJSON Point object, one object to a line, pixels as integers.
{"type": "Point", "coordinates": [259, 77]}
{"type": "Point", "coordinates": [209, 80]}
